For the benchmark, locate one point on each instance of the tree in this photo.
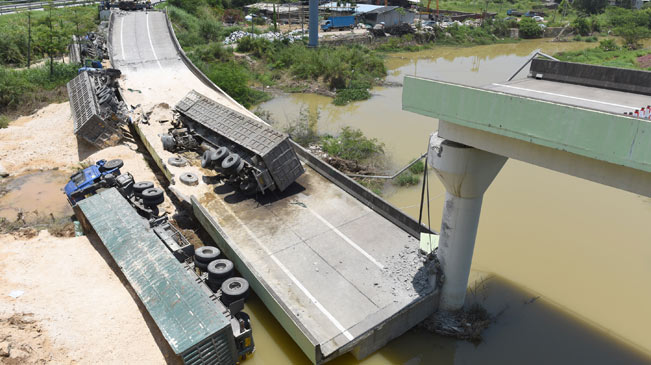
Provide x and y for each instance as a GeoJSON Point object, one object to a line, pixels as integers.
{"type": "Point", "coordinates": [564, 7]}
{"type": "Point", "coordinates": [581, 26]}
{"type": "Point", "coordinates": [591, 6]}
{"type": "Point", "coordinates": [631, 35]}
{"type": "Point", "coordinates": [51, 37]}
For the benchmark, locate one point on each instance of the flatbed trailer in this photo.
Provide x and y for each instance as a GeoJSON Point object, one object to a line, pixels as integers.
{"type": "Point", "coordinates": [197, 326]}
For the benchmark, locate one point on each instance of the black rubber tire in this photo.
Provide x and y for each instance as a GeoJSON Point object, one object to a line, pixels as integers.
{"type": "Point", "coordinates": [152, 196]}
{"type": "Point", "coordinates": [202, 266]}
{"type": "Point", "coordinates": [169, 144]}
{"type": "Point", "coordinates": [104, 99]}
{"type": "Point", "coordinates": [231, 163]}
{"type": "Point", "coordinates": [141, 186]}
{"type": "Point", "coordinates": [206, 254]}
{"type": "Point", "coordinates": [233, 289]}
{"type": "Point", "coordinates": [220, 154]}
{"type": "Point", "coordinates": [189, 178]}
{"type": "Point", "coordinates": [206, 159]}
{"type": "Point", "coordinates": [220, 270]}
{"type": "Point", "coordinates": [177, 161]}
{"type": "Point", "coordinates": [112, 164]}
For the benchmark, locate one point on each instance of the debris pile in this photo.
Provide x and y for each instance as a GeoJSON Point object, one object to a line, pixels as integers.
{"type": "Point", "coordinates": [292, 36]}
{"type": "Point", "coordinates": [91, 46]}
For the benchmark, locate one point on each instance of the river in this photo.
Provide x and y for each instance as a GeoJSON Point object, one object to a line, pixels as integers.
{"type": "Point", "coordinates": [562, 262]}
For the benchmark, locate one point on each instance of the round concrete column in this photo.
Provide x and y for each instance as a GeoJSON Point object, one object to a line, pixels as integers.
{"type": "Point", "coordinates": [466, 173]}
{"type": "Point", "coordinates": [313, 25]}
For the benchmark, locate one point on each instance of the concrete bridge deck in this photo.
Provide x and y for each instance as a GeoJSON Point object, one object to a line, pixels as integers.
{"type": "Point", "coordinates": [334, 271]}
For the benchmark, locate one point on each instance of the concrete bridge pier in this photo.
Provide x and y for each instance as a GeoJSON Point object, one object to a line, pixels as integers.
{"type": "Point", "coordinates": [466, 173]}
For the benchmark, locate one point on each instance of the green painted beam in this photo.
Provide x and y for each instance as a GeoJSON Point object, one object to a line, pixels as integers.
{"type": "Point", "coordinates": [607, 137]}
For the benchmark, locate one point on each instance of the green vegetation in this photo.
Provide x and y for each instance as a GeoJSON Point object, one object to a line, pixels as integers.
{"type": "Point", "coordinates": [352, 145]}
{"type": "Point", "coordinates": [50, 33]}
{"type": "Point", "coordinates": [418, 167]}
{"type": "Point", "coordinates": [606, 54]}
{"type": "Point", "coordinates": [407, 178]}
{"type": "Point", "coordinates": [27, 89]}
{"type": "Point", "coordinates": [529, 28]}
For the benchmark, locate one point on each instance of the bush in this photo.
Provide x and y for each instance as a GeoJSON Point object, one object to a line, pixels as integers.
{"type": "Point", "coordinates": [4, 121]}
{"type": "Point", "coordinates": [406, 179]}
{"type": "Point", "coordinates": [581, 26]}
{"type": "Point", "coordinates": [303, 130]}
{"type": "Point", "coordinates": [608, 45]}
{"type": "Point", "coordinates": [351, 144]}
{"type": "Point", "coordinates": [418, 167]}
{"type": "Point", "coordinates": [590, 6]}
{"type": "Point", "coordinates": [529, 28]}
{"type": "Point", "coordinates": [345, 96]}
{"type": "Point", "coordinates": [233, 78]}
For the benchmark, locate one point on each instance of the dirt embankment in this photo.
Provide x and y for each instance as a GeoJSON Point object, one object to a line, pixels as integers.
{"type": "Point", "coordinates": [60, 302]}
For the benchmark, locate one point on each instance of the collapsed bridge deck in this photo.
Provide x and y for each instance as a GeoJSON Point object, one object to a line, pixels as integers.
{"type": "Point", "coordinates": [340, 273]}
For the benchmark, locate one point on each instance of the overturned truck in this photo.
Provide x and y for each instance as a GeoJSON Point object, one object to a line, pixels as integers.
{"type": "Point", "coordinates": [248, 153]}
{"type": "Point", "coordinates": [98, 110]}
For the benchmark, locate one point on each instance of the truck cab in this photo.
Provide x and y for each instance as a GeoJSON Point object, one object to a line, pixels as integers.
{"type": "Point", "coordinates": [87, 181]}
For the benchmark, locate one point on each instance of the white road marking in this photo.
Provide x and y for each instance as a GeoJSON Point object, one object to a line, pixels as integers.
{"type": "Point", "coordinates": [152, 44]}
{"type": "Point", "coordinates": [122, 38]}
{"type": "Point", "coordinates": [291, 276]}
{"type": "Point", "coordinates": [350, 242]}
{"type": "Point", "coordinates": [567, 96]}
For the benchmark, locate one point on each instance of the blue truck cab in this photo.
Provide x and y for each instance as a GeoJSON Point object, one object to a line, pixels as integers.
{"type": "Point", "coordinates": [85, 182]}
{"type": "Point", "coordinates": [338, 22]}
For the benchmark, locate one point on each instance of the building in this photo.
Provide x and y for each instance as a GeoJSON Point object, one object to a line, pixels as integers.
{"type": "Point", "coordinates": [389, 15]}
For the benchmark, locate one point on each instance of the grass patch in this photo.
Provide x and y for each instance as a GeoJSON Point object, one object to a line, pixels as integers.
{"type": "Point", "coordinates": [374, 185]}
{"type": "Point", "coordinates": [606, 54]}
{"type": "Point", "coordinates": [418, 167]}
{"type": "Point", "coordinates": [4, 121]}
{"type": "Point", "coordinates": [22, 91]}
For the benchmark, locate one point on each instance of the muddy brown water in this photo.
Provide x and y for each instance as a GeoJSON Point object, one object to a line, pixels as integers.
{"type": "Point", "coordinates": [569, 260]}
{"type": "Point", "coordinates": [35, 194]}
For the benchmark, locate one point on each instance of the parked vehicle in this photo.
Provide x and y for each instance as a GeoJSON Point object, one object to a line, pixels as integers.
{"type": "Point", "coordinates": [514, 12]}
{"type": "Point", "coordinates": [537, 18]}
{"type": "Point", "coordinates": [339, 22]}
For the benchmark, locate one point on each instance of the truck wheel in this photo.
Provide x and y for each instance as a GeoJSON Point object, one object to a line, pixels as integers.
{"type": "Point", "coordinates": [202, 266]}
{"type": "Point", "coordinates": [234, 289]}
{"type": "Point", "coordinates": [104, 99]}
{"type": "Point", "coordinates": [206, 254]}
{"type": "Point", "coordinates": [220, 155]}
{"type": "Point", "coordinates": [231, 163]}
{"type": "Point", "coordinates": [206, 159]}
{"type": "Point", "coordinates": [168, 142]}
{"type": "Point", "coordinates": [220, 270]}
{"type": "Point", "coordinates": [113, 164]}
{"type": "Point", "coordinates": [189, 178]}
{"type": "Point", "coordinates": [141, 186]}
{"type": "Point", "coordinates": [153, 196]}
{"type": "Point", "coordinates": [177, 161]}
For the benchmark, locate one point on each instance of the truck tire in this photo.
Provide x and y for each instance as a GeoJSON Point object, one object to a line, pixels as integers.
{"type": "Point", "coordinates": [141, 186]}
{"type": "Point", "coordinates": [112, 164]}
{"type": "Point", "coordinates": [219, 270]}
{"type": "Point", "coordinates": [189, 178]}
{"type": "Point", "coordinates": [231, 164]}
{"type": "Point", "coordinates": [234, 289]}
{"type": "Point", "coordinates": [206, 254]}
{"type": "Point", "coordinates": [206, 159]}
{"type": "Point", "coordinates": [169, 144]}
{"type": "Point", "coordinates": [153, 196]}
{"type": "Point", "coordinates": [202, 266]}
{"type": "Point", "coordinates": [104, 99]}
{"type": "Point", "coordinates": [220, 155]}
{"type": "Point", "coordinates": [177, 161]}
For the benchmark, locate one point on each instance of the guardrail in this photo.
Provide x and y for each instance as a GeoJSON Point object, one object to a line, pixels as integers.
{"type": "Point", "coordinates": [8, 7]}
